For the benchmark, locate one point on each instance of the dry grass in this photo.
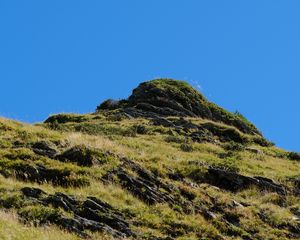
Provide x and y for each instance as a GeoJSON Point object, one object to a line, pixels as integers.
{"type": "Point", "coordinates": [12, 229]}
{"type": "Point", "coordinates": [153, 152]}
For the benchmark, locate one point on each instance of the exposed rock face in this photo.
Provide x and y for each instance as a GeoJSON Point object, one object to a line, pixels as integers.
{"type": "Point", "coordinates": [206, 132]}
{"type": "Point", "coordinates": [166, 172]}
{"type": "Point", "coordinates": [233, 181]}
{"type": "Point", "coordinates": [45, 149]}
{"type": "Point", "coordinates": [145, 186]}
{"type": "Point", "coordinates": [41, 174]}
{"type": "Point", "coordinates": [91, 214]}
{"type": "Point", "coordinates": [171, 97]}
{"type": "Point", "coordinates": [149, 188]}
{"type": "Point", "coordinates": [167, 97]}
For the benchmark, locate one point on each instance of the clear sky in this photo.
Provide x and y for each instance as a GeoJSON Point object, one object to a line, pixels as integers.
{"type": "Point", "coordinates": [69, 55]}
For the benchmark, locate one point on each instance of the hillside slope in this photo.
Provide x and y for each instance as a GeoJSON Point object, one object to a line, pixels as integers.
{"type": "Point", "coordinates": [163, 164]}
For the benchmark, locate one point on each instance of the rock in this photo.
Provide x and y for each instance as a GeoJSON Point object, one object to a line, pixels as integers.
{"type": "Point", "coordinates": [42, 174]}
{"type": "Point", "coordinates": [143, 189]}
{"type": "Point", "coordinates": [148, 187]}
{"type": "Point", "coordinates": [63, 201]}
{"type": "Point", "coordinates": [160, 121]}
{"type": "Point", "coordinates": [137, 113]}
{"type": "Point", "coordinates": [18, 144]}
{"type": "Point", "coordinates": [91, 214]}
{"type": "Point", "coordinates": [141, 129]}
{"type": "Point", "coordinates": [73, 225]}
{"type": "Point", "coordinates": [232, 218]}
{"type": "Point", "coordinates": [175, 95]}
{"type": "Point", "coordinates": [296, 211]}
{"type": "Point", "coordinates": [109, 104]}
{"type": "Point", "coordinates": [208, 215]}
{"type": "Point", "coordinates": [164, 111]}
{"type": "Point", "coordinates": [167, 97]}
{"type": "Point", "coordinates": [254, 150]}
{"type": "Point", "coordinates": [235, 204]}
{"type": "Point", "coordinates": [202, 135]}
{"type": "Point", "coordinates": [65, 118]}
{"type": "Point", "coordinates": [228, 180]}
{"type": "Point", "coordinates": [225, 134]}
{"type": "Point", "coordinates": [109, 219]}
{"type": "Point", "coordinates": [45, 149]}
{"type": "Point", "coordinates": [80, 154]}
{"type": "Point", "coordinates": [269, 184]}
{"type": "Point", "coordinates": [294, 229]}
{"type": "Point", "coordinates": [234, 182]}
{"type": "Point", "coordinates": [158, 238]}
{"type": "Point", "coordinates": [206, 132]}
{"type": "Point", "coordinates": [297, 183]}
{"type": "Point", "coordinates": [294, 156]}
{"type": "Point", "coordinates": [175, 176]}
{"type": "Point", "coordinates": [96, 226]}
{"type": "Point", "coordinates": [32, 192]}
{"type": "Point", "coordinates": [186, 124]}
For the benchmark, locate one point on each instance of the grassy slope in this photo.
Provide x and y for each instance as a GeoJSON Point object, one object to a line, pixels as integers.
{"type": "Point", "coordinates": [160, 153]}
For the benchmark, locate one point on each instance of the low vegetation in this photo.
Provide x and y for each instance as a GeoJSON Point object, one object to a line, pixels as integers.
{"type": "Point", "coordinates": [132, 173]}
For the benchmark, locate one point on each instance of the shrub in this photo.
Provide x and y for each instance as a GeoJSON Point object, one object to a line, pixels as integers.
{"type": "Point", "coordinates": [20, 153]}
{"type": "Point", "coordinates": [38, 215]}
{"type": "Point", "coordinates": [293, 156]}
{"type": "Point", "coordinates": [225, 133]}
{"type": "Point", "coordinates": [233, 146]}
{"type": "Point", "coordinates": [228, 164]}
{"type": "Point", "coordinates": [116, 117]}
{"type": "Point", "coordinates": [262, 142]}
{"type": "Point", "coordinates": [84, 156]}
{"type": "Point", "coordinates": [110, 104]}
{"type": "Point", "coordinates": [196, 173]}
{"type": "Point", "coordinates": [140, 129]}
{"type": "Point", "coordinates": [10, 199]}
{"type": "Point", "coordinates": [64, 118]}
{"type": "Point", "coordinates": [130, 132]}
{"type": "Point", "coordinates": [186, 147]}
{"type": "Point", "coordinates": [174, 139]}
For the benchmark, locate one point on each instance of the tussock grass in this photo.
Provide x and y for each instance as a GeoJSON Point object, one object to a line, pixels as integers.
{"type": "Point", "coordinates": [159, 150]}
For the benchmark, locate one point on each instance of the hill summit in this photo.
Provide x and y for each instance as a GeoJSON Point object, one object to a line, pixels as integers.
{"type": "Point", "coordinates": [164, 164]}
{"type": "Point", "coordinates": [170, 97]}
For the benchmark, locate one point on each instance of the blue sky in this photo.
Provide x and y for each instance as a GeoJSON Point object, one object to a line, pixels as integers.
{"type": "Point", "coordinates": [69, 55]}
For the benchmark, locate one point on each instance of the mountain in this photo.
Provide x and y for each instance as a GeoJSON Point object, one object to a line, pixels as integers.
{"type": "Point", "coordinates": [164, 164]}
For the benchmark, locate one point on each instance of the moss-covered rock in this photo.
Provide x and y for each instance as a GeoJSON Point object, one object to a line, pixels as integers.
{"type": "Point", "coordinates": [170, 97]}
{"type": "Point", "coordinates": [64, 118]}
{"type": "Point", "coordinates": [84, 156]}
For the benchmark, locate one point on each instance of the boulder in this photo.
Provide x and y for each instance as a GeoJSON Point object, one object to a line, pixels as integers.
{"type": "Point", "coordinates": [254, 150]}
{"type": "Point", "coordinates": [80, 154]}
{"type": "Point", "coordinates": [234, 182]}
{"type": "Point", "coordinates": [32, 192]}
{"type": "Point", "coordinates": [45, 148]}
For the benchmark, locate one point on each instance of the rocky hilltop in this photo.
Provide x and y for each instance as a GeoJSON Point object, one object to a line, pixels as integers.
{"type": "Point", "coordinates": [163, 164]}
{"type": "Point", "coordinates": [167, 97]}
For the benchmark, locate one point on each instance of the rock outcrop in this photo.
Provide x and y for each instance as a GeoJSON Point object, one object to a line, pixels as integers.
{"type": "Point", "coordinates": [233, 181]}
{"type": "Point", "coordinates": [45, 149]}
{"type": "Point", "coordinates": [167, 97]}
{"type": "Point", "coordinates": [91, 214]}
